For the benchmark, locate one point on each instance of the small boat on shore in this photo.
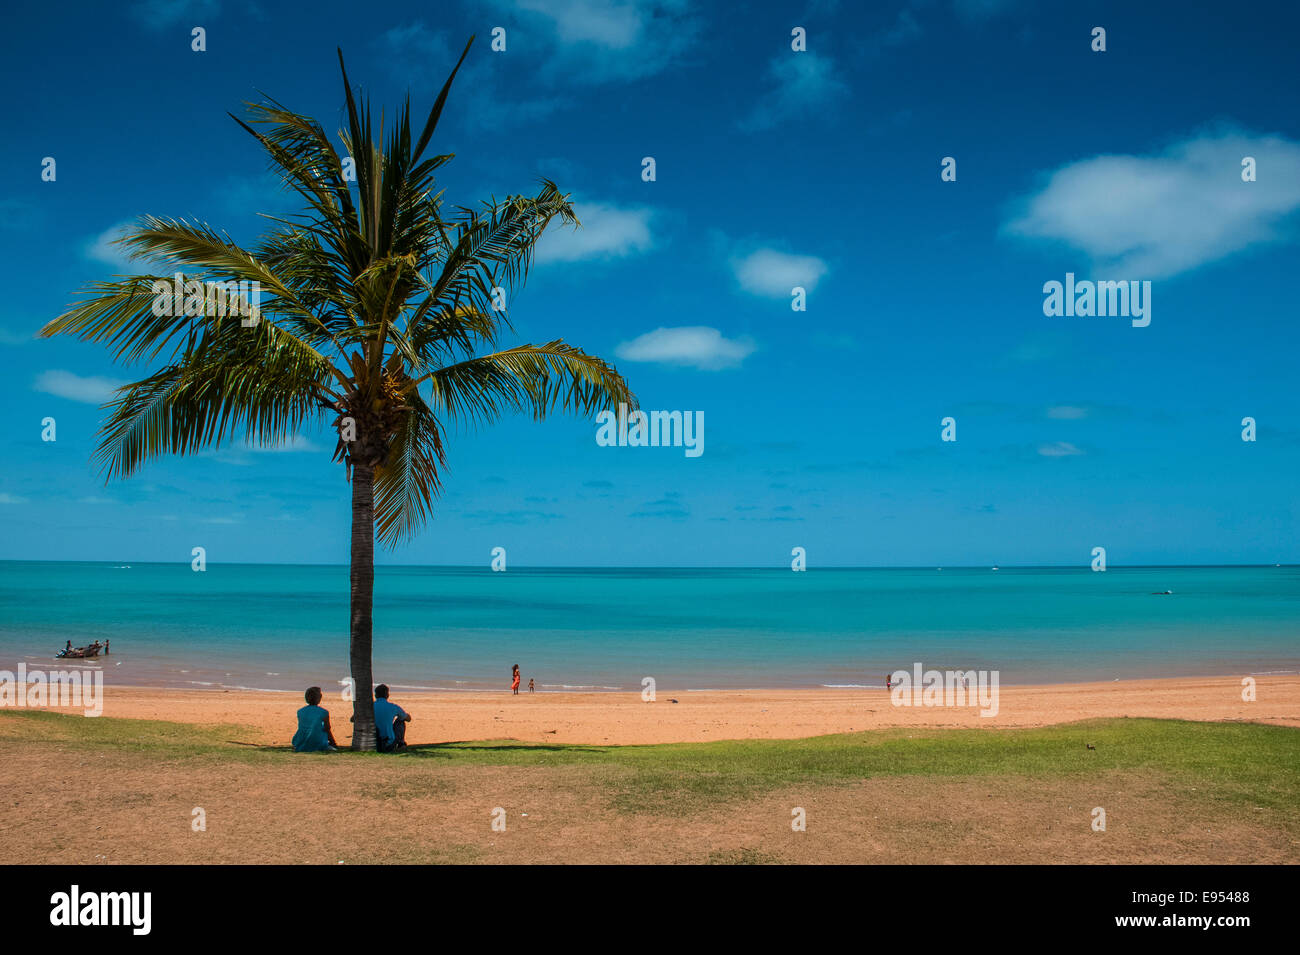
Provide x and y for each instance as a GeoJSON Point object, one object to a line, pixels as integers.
{"type": "Point", "coordinates": [79, 653]}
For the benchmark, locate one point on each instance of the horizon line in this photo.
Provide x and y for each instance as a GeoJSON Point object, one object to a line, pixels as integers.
{"type": "Point", "coordinates": [487, 565]}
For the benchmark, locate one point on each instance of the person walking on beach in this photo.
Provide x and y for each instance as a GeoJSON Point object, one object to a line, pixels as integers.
{"type": "Point", "coordinates": [390, 722]}
{"type": "Point", "coordinates": [531, 688]}
{"type": "Point", "coordinates": [314, 733]}
{"type": "Point", "coordinates": [514, 676]}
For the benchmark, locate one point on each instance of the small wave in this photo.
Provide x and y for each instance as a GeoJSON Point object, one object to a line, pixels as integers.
{"type": "Point", "coordinates": [730, 689]}
{"type": "Point", "coordinates": [850, 686]}
{"type": "Point", "coordinates": [461, 689]}
{"type": "Point", "coordinates": [582, 686]}
{"type": "Point", "coordinates": [443, 689]}
{"type": "Point", "coordinates": [63, 663]}
{"type": "Point", "coordinates": [255, 689]}
{"type": "Point", "coordinates": [235, 686]}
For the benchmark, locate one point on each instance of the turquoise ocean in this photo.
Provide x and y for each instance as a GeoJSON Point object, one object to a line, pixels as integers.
{"type": "Point", "coordinates": [461, 629]}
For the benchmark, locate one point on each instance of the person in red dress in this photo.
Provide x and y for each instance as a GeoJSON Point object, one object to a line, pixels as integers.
{"type": "Point", "coordinates": [514, 685]}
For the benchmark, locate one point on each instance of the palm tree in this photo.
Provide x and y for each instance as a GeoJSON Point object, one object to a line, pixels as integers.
{"type": "Point", "coordinates": [383, 313]}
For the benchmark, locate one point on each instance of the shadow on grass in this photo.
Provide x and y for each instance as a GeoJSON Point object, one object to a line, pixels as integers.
{"type": "Point", "coordinates": [439, 750]}
{"type": "Point", "coordinates": [469, 746]}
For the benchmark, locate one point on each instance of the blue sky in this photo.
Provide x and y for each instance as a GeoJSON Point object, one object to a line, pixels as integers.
{"type": "Point", "coordinates": [774, 168]}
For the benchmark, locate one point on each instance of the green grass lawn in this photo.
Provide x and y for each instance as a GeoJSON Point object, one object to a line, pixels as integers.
{"type": "Point", "coordinates": [1174, 791]}
{"type": "Point", "coordinates": [1234, 764]}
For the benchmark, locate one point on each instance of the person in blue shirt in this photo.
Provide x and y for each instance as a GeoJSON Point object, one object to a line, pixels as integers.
{"type": "Point", "coordinates": [390, 722]}
{"type": "Point", "coordinates": [314, 734]}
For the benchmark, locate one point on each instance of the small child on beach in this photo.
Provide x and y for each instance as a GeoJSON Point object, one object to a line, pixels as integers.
{"type": "Point", "coordinates": [314, 733]}
{"type": "Point", "coordinates": [530, 684]}
{"type": "Point", "coordinates": [514, 678]}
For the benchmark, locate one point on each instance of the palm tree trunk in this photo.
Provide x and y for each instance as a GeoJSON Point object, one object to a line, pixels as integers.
{"type": "Point", "coordinates": [363, 591]}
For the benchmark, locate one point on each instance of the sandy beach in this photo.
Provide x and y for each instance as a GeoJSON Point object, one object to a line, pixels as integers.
{"type": "Point", "coordinates": [1174, 792]}
{"type": "Point", "coordinates": [624, 718]}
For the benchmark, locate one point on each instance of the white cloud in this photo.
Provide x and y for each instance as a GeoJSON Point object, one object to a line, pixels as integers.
{"type": "Point", "coordinates": [607, 232]}
{"type": "Point", "coordinates": [905, 28]}
{"type": "Point", "coordinates": [91, 389]}
{"type": "Point", "coordinates": [1067, 412]}
{"type": "Point", "coordinates": [609, 24]}
{"type": "Point", "coordinates": [102, 249]}
{"type": "Point", "coordinates": [15, 338]}
{"type": "Point", "coordinates": [695, 346]}
{"type": "Point", "coordinates": [804, 82]}
{"type": "Point", "coordinates": [16, 213]}
{"type": "Point", "coordinates": [1037, 349]}
{"type": "Point", "coordinates": [295, 443]}
{"type": "Point", "coordinates": [601, 40]}
{"type": "Point", "coordinates": [1156, 216]}
{"type": "Point", "coordinates": [262, 193]}
{"type": "Point", "coordinates": [161, 13]}
{"type": "Point", "coordinates": [422, 58]}
{"type": "Point", "coordinates": [1058, 449]}
{"type": "Point", "coordinates": [972, 13]}
{"type": "Point", "coordinates": [981, 9]}
{"type": "Point", "coordinates": [237, 453]}
{"type": "Point", "coordinates": [772, 273]}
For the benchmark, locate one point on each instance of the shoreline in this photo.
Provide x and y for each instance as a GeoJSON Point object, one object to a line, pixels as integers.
{"type": "Point", "coordinates": [146, 674]}
{"type": "Point", "coordinates": [266, 717]}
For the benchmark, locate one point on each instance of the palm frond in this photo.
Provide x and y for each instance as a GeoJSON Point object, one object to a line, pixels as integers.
{"type": "Point", "coordinates": [407, 483]}
{"type": "Point", "coordinates": [534, 379]}
{"type": "Point", "coordinates": [493, 246]}
{"type": "Point", "coordinates": [249, 383]}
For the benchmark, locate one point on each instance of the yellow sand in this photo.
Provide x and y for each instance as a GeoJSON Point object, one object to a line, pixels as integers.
{"type": "Point", "coordinates": [716, 714]}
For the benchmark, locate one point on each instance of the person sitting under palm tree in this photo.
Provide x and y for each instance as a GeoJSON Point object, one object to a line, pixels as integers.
{"type": "Point", "coordinates": [314, 733]}
{"type": "Point", "coordinates": [390, 722]}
